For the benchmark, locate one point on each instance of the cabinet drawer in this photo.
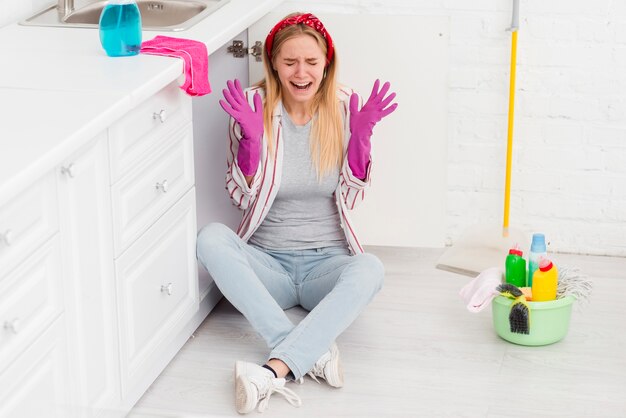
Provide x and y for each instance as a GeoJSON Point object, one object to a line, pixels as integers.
{"type": "Point", "coordinates": [26, 221]}
{"type": "Point", "coordinates": [36, 383]}
{"type": "Point", "coordinates": [141, 197]}
{"type": "Point", "coordinates": [146, 129]}
{"type": "Point", "coordinates": [30, 299]}
{"type": "Point", "coordinates": [157, 289]}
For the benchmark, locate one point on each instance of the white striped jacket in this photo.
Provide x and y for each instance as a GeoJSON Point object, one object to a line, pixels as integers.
{"type": "Point", "coordinates": [255, 200]}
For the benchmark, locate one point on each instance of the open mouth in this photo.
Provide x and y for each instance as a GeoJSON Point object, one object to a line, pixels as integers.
{"type": "Point", "coordinates": [301, 86]}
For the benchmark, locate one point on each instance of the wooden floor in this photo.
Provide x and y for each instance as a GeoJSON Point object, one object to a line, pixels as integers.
{"type": "Point", "coordinates": [417, 352]}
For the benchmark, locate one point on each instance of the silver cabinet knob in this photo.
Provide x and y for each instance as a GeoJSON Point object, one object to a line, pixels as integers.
{"type": "Point", "coordinates": [69, 170]}
{"type": "Point", "coordinates": [162, 115]}
{"type": "Point", "coordinates": [8, 237]}
{"type": "Point", "coordinates": [167, 288]}
{"type": "Point", "coordinates": [13, 325]}
{"type": "Point", "coordinates": [163, 186]}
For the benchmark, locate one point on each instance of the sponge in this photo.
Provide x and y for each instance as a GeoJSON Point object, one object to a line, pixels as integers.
{"type": "Point", "coordinates": [528, 292]}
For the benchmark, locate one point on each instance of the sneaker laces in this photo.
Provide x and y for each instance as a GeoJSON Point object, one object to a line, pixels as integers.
{"type": "Point", "coordinates": [270, 388]}
{"type": "Point", "coordinates": [318, 368]}
{"type": "Point", "coordinates": [312, 376]}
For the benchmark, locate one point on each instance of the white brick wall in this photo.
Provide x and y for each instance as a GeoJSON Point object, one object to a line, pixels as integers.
{"type": "Point", "coordinates": [569, 168]}
{"type": "Point", "coordinates": [569, 165]}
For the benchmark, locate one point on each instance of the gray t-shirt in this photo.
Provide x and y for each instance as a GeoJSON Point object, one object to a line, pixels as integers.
{"type": "Point", "coordinates": [304, 214]}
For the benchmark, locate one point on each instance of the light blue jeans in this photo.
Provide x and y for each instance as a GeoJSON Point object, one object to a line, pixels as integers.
{"type": "Point", "coordinates": [330, 283]}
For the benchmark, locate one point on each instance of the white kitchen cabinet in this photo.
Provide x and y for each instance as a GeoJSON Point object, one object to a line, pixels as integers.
{"type": "Point", "coordinates": [157, 296]}
{"type": "Point", "coordinates": [30, 272]}
{"type": "Point", "coordinates": [33, 357]}
{"type": "Point", "coordinates": [85, 214]}
{"type": "Point", "coordinates": [154, 230]}
{"type": "Point", "coordinates": [98, 265]}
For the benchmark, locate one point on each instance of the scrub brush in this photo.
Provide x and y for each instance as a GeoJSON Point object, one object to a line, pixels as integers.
{"type": "Point", "coordinates": [519, 316]}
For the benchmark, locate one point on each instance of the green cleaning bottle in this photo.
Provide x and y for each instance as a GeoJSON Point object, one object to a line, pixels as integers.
{"type": "Point", "coordinates": [515, 268]}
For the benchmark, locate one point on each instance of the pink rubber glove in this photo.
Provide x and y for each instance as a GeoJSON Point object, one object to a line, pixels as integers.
{"type": "Point", "coordinates": [251, 123]}
{"type": "Point", "coordinates": [362, 123]}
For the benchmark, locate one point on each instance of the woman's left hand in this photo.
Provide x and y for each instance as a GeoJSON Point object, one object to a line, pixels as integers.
{"type": "Point", "coordinates": [362, 123]}
{"type": "Point", "coordinates": [377, 107]}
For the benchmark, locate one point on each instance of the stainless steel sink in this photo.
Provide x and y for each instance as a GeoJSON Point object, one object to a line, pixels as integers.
{"type": "Point", "coordinates": [160, 15]}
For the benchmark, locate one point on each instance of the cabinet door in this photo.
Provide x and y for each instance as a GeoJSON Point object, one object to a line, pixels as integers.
{"type": "Point", "coordinates": [406, 204]}
{"type": "Point", "coordinates": [85, 217]}
{"type": "Point", "coordinates": [157, 296]}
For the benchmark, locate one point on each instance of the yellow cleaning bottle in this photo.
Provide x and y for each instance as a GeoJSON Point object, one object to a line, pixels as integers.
{"type": "Point", "coordinates": [545, 281]}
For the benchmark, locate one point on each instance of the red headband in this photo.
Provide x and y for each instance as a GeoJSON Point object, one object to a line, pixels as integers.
{"type": "Point", "coordinates": [306, 19]}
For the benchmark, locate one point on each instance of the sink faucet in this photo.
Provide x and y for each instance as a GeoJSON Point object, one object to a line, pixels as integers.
{"type": "Point", "coordinates": [65, 7]}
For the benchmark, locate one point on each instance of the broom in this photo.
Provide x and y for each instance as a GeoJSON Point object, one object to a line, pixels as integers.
{"type": "Point", "coordinates": [482, 246]}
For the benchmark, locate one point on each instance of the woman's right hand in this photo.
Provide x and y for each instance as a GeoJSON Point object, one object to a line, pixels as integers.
{"type": "Point", "coordinates": [251, 123]}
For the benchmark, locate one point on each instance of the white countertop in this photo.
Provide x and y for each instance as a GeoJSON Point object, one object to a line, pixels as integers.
{"type": "Point", "coordinates": [58, 89]}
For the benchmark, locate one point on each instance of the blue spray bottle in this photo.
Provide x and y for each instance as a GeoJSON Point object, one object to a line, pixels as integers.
{"type": "Point", "coordinates": [120, 28]}
{"type": "Point", "coordinates": [537, 250]}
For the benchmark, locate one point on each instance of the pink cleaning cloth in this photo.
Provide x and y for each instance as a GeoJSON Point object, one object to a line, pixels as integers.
{"type": "Point", "coordinates": [479, 292]}
{"type": "Point", "coordinates": [195, 58]}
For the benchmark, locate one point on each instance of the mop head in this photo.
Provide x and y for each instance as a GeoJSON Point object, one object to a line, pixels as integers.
{"type": "Point", "coordinates": [573, 283]}
{"type": "Point", "coordinates": [519, 316]}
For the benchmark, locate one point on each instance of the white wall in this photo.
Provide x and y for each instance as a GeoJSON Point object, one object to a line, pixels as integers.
{"type": "Point", "coordinates": [569, 168]}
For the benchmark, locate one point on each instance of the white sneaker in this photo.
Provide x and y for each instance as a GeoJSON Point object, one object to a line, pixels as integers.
{"type": "Point", "coordinates": [255, 384]}
{"type": "Point", "coordinates": [328, 367]}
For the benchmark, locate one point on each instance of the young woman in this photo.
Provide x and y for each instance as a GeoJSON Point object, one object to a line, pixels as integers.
{"type": "Point", "coordinates": [299, 159]}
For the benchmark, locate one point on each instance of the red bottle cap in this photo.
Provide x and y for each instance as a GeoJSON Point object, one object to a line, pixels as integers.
{"type": "Point", "coordinates": [515, 251]}
{"type": "Point", "coordinates": [545, 264]}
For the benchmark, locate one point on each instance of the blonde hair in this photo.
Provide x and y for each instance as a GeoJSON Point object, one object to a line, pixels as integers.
{"type": "Point", "coordinates": [326, 140]}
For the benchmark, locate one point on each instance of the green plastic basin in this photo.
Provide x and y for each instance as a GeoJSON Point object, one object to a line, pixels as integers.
{"type": "Point", "coordinates": [549, 321]}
